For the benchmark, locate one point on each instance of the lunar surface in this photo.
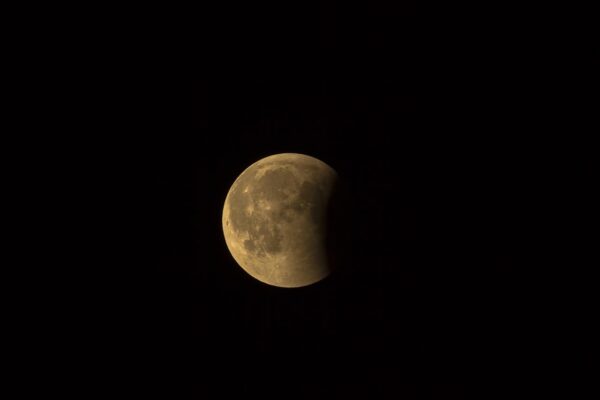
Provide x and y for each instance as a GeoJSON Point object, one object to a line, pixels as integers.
{"type": "Point", "coordinates": [275, 219]}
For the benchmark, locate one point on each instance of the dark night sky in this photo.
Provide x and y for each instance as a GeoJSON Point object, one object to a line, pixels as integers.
{"type": "Point", "coordinates": [446, 201]}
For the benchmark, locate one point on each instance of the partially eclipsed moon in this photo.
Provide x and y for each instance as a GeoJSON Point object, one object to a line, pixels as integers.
{"type": "Point", "coordinates": [275, 217]}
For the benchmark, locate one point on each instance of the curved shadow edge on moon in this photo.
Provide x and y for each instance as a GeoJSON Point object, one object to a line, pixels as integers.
{"type": "Point", "coordinates": [276, 220]}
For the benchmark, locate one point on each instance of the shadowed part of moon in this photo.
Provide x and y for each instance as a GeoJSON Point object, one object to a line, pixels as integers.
{"type": "Point", "coordinates": [275, 219]}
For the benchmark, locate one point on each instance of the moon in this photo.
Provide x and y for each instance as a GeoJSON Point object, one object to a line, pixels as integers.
{"type": "Point", "coordinates": [275, 219]}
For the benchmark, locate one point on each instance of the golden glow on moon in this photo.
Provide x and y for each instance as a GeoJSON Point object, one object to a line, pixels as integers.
{"type": "Point", "coordinates": [275, 217]}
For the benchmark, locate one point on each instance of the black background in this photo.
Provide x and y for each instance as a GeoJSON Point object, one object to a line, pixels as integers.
{"type": "Point", "coordinates": [450, 203]}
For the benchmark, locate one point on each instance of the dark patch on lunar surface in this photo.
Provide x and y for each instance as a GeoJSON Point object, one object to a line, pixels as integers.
{"type": "Point", "coordinates": [284, 215]}
{"type": "Point", "coordinates": [311, 194]}
{"type": "Point", "coordinates": [249, 245]}
{"type": "Point", "coordinates": [271, 240]}
{"type": "Point", "coordinates": [271, 181]}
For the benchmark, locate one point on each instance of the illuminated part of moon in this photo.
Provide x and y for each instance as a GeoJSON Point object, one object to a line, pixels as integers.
{"type": "Point", "coordinates": [275, 217]}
